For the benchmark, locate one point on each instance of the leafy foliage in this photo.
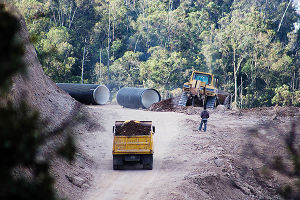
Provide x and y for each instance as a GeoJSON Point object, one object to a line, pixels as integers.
{"type": "Point", "coordinates": [125, 70]}
{"type": "Point", "coordinates": [162, 69]}
{"type": "Point", "coordinates": [284, 97]}
{"type": "Point", "coordinates": [56, 50]}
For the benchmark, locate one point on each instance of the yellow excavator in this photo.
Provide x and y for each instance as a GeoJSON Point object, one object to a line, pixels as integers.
{"type": "Point", "coordinates": [201, 91]}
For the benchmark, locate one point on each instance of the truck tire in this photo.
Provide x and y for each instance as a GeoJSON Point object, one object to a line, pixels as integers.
{"type": "Point", "coordinates": [148, 162]}
{"type": "Point", "coordinates": [148, 166]}
{"type": "Point", "coordinates": [115, 167]}
{"type": "Point", "coordinates": [117, 162]}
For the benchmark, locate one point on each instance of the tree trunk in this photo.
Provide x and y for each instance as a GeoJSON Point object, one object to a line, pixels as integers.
{"type": "Point", "coordinates": [72, 18]}
{"type": "Point", "coordinates": [241, 93]}
{"type": "Point", "coordinates": [82, 65]}
{"type": "Point", "coordinates": [136, 42]}
{"type": "Point", "coordinates": [100, 62]}
{"type": "Point", "coordinates": [59, 17]}
{"type": "Point", "coordinates": [108, 43]}
{"type": "Point", "coordinates": [283, 15]}
{"type": "Point", "coordinates": [54, 17]}
{"type": "Point", "coordinates": [235, 76]}
{"type": "Point", "coordinates": [169, 23]}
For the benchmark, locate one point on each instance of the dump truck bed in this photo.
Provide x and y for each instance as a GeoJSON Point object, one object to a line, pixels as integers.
{"type": "Point", "coordinates": [133, 144]}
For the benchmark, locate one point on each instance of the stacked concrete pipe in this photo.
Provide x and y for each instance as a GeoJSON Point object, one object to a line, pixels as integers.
{"type": "Point", "coordinates": [131, 97]}
{"type": "Point", "coordinates": [87, 93]}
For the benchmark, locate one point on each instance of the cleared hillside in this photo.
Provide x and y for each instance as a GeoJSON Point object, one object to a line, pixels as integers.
{"type": "Point", "coordinates": [58, 110]}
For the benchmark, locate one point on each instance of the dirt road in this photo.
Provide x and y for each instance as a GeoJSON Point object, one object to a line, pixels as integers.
{"type": "Point", "coordinates": [133, 183]}
{"type": "Point", "coordinates": [188, 164]}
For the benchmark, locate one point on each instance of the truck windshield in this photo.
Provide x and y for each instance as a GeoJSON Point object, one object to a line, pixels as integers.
{"type": "Point", "coordinates": [202, 77]}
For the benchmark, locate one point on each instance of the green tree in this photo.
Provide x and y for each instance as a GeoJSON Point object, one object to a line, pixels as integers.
{"type": "Point", "coordinates": [126, 70]}
{"type": "Point", "coordinates": [164, 70]}
{"type": "Point", "coordinates": [284, 97]}
{"type": "Point", "coordinates": [246, 48]}
{"type": "Point", "coordinates": [56, 49]}
{"type": "Point", "coordinates": [109, 29]}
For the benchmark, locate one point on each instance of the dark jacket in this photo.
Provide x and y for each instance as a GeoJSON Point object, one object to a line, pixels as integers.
{"type": "Point", "coordinates": [204, 114]}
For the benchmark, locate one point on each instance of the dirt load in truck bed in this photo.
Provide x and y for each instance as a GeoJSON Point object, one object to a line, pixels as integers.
{"type": "Point", "coordinates": [132, 128]}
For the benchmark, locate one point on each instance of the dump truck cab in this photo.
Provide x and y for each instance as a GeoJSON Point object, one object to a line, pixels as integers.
{"type": "Point", "coordinates": [133, 143]}
{"type": "Point", "coordinates": [200, 90]}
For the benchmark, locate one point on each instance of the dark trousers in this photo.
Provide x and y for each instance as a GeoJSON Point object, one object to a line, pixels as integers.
{"type": "Point", "coordinates": [203, 121]}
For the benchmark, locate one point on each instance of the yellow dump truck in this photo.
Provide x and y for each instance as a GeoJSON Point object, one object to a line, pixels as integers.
{"type": "Point", "coordinates": [133, 143]}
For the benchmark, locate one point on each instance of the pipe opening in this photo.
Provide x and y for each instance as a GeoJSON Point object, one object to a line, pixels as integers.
{"type": "Point", "coordinates": [101, 94]}
{"type": "Point", "coordinates": [150, 97]}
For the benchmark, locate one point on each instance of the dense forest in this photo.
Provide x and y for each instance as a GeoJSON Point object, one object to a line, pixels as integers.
{"type": "Point", "coordinates": [252, 47]}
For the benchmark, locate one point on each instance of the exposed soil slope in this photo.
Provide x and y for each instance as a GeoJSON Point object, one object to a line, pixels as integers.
{"type": "Point", "coordinates": [54, 105]}
{"type": "Point", "coordinates": [57, 108]}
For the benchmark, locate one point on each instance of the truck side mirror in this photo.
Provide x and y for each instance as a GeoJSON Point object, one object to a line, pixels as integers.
{"type": "Point", "coordinates": [113, 129]}
{"type": "Point", "coordinates": [153, 129]}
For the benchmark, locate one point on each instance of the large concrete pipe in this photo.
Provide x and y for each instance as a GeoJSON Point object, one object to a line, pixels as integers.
{"type": "Point", "coordinates": [87, 93]}
{"type": "Point", "coordinates": [137, 97]}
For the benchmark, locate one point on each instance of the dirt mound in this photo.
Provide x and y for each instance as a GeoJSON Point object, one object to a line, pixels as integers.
{"type": "Point", "coordinates": [163, 106]}
{"type": "Point", "coordinates": [132, 128]}
{"type": "Point", "coordinates": [170, 105]}
{"type": "Point", "coordinates": [287, 111]}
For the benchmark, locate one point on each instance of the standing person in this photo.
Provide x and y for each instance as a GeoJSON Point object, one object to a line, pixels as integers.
{"type": "Point", "coordinates": [204, 117]}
